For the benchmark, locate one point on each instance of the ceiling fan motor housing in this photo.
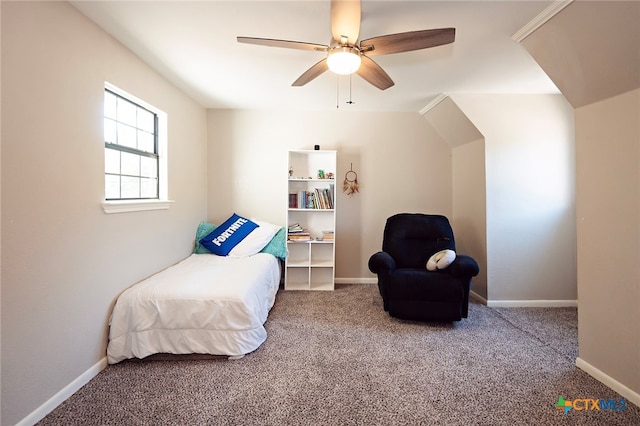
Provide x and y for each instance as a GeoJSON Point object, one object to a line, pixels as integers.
{"type": "Point", "coordinates": [344, 59]}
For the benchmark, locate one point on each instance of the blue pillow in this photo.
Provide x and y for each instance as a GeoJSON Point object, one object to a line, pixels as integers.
{"type": "Point", "coordinates": [226, 236]}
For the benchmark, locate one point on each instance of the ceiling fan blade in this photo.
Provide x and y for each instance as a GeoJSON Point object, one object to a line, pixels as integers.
{"type": "Point", "coordinates": [283, 43]}
{"type": "Point", "coordinates": [345, 20]}
{"type": "Point", "coordinates": [406, 42]}
{"type": "Point", "coordinates": [312, 73]}
{"type": "Point", "coordinates": [374, 74]}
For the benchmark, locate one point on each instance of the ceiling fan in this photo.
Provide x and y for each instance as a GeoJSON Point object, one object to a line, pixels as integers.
{"type": "Point", "coordinates": [346, 55]}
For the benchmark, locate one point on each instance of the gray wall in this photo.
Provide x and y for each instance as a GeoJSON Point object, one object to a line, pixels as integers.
{"type": "Point", "coordinates": [404, 165]}
{"type": "Point", "coordinates": [608, 208]}
{"type": "Point", "coordinates": [64, 261]}
{"type": "Point", "coordinates": [530, 196]}
{"type": "Point", "coordinates": [401, 162]}
{"type": "Point", "coordinates": [591, 50]}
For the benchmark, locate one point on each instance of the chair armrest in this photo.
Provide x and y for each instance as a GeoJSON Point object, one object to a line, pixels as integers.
{"type": "Point", "coordinates": [381, 262]}
{"type": "Point", "coordinates": [464, 266]}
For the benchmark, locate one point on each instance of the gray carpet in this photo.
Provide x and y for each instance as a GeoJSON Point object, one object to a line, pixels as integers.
{"type": "Point", "coordinates": [336, 358]}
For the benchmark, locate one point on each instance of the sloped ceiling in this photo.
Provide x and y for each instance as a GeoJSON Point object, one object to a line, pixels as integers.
{"type": "Point", "coordinates": [193, 44]}
{"type": "Point", "coordinates": [452, 124]}
{"type": "Point", "coordinates": [591, 49]}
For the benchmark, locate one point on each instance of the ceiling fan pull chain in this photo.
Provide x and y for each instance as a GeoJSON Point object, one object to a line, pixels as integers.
{"type": "Point", "coordinates": [337, 91]}
{"type": "Point", "coordinates": [350, 102]}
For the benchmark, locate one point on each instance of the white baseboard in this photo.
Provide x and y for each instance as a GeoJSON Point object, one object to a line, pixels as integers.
{"type": "Point", "coordinates": [57, 399]}
{"type": "Point", "coordinates": [484, 301]}
{"type": "Point", "coordinates": [372, 280]}
{"type": "Point", "coordinates": [610, 382]}
{"type": "Point", "coordinates": [532, 303]}
{"type": "Point", "coordinates": [477, 297]}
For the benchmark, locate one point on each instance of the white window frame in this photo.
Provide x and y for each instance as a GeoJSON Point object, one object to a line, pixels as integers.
{"type": "Point", "coordinates": [162, 202]}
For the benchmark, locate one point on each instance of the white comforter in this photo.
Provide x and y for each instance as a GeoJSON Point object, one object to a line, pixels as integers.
{"type": "Point", "coordinates": [205, 304]}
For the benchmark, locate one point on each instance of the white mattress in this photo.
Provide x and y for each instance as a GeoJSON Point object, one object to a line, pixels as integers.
{"type": "Point", "coordinates": [206, 304]}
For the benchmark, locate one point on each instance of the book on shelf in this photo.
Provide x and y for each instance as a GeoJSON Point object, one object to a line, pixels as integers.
{"type": "Point", "coordinates": [319, 198]}
{"type": "Point", "coordinates": [296, 233]}
{"type": "Point", "coordinates": [299, 238]}
{"type": "Point", "coordinates": [294, 227]}
{"type": "Point", "coordinates": [327, 235]}
{"type": "Point", "coordinates": [332, 194]}
{"type": "Point", "coordinates": [311, 201]}
{"type": "Point", "coordinates": [293, 201]}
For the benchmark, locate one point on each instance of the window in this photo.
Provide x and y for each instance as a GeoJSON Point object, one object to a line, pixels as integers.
{"type": "Point", "coordinates": [134, 143]}
{"type": "Point", "coordinates": [130, 149]}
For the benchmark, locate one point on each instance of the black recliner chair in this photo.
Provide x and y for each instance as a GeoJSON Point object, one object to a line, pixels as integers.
{"type": "Point", "coordinates": [408, 289]}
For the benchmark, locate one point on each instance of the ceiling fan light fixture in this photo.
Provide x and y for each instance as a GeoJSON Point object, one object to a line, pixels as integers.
{"type": "Point", "coordinates": [344, 60]}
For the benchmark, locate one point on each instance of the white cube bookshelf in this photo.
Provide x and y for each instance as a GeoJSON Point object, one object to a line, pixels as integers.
{"type": "Point", "coordinates": [310, 264]}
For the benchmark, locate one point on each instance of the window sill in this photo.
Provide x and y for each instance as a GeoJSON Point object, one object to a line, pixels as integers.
{"type": "Point", "coordinates": [135, 206]}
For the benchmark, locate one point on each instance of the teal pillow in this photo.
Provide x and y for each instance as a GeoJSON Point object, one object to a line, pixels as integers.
{"type": "Point", "coordinates": [278, 244]}
{"type": "Point", "coordinates": [204, 229]}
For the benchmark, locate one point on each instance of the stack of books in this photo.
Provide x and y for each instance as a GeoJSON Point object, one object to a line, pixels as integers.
{"type": "Point", "coordinates": [327, 235]}
{"type": "Point", "coordinates": [296, 233]}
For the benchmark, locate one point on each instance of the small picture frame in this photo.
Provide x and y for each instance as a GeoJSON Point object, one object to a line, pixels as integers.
{"type": "Point", "coordinates": [320, 174]}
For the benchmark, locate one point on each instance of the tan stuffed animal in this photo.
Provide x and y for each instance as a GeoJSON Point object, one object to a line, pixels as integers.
{"type": "Point", "coordinates": [441, 260]}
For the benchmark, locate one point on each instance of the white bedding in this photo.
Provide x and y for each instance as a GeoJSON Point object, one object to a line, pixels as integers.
{"type": "Point", "coordinates": [206, 304]}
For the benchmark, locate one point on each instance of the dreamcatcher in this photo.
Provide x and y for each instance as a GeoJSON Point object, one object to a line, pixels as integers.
{"type": "Point", "coordinates": [350, 185]}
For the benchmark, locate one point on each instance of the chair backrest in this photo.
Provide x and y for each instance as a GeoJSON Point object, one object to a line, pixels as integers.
{"type": "Point", "coordinates": [412, 238]}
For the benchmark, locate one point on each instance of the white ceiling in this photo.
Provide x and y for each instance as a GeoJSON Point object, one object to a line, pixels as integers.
{"type": "Point", "coordinates": [193, 44]}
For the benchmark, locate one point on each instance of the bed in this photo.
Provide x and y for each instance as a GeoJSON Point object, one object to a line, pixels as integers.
{"type": "Point", "coordinates": [205, 304]}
